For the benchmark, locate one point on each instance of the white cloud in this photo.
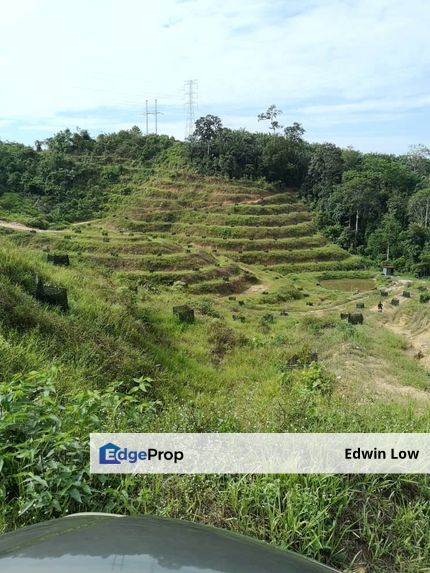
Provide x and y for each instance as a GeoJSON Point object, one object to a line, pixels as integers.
{"type": "Point", "coordinates": [326, 60]}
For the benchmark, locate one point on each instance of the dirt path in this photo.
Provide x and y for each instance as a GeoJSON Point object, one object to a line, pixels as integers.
{"type": "Point", "coordinates": [419, 341]}
{"type": "Point", "coordinates": [21, 227]}
{"type": "Point", "coordinates": [408, 392]}
{"type": "Point", "coordinates": [255, 289]}
{"type": "Point", "coordinates": [417, 335]}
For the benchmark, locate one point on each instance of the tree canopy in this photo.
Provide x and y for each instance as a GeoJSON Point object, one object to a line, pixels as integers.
{"type": "Point", "coordinates": [374, 204]}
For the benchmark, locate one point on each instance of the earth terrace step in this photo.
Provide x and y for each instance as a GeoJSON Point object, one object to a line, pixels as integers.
{"type": "Point", "coordinates": [246, 232]}
{"type": "Point", "coordinates": [256, 220]}
{"type": "Point", "coordinates": [181, 262]}
{"type": "Point", "coordinates": [205, 186]}
{"type": "Point", "coordinates": [258, 209]}
{"type": "Point", "coordinates": [188, 277]}
{"type": "Point", "coordinates": [235, 285]}
{"type": "Point", "coordinates": [156, 211]}
{"type": "Point", "coordinates": [265, 245]}
{"type": "Point", "coordinates": [329, 253]}
{"type": "Point", "coordinates": [143, 248]}
{"type": "Point", "coordinates": [230, 220]}
{"type": "Point", "coordinates": [111, 249]}
{"type": "Point", "coordinates": [278, 199]}
{"type": "Point", "coordinates": [115, 246]}
{"type": "Point", "coordinates": [193, 204]}
{"type": "Point", "coordinates": [348, 264]}
{"type": "Point", "coordinates": [190, 197]}
{"type": "Point", "coordinates": [210, 185]}
{"type": "Point", "coordinates": [155, 228]}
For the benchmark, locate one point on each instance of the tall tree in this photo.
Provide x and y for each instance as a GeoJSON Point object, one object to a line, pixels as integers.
{"type": "Point", "coordinates": [386, 241]}
{"type": "Point", "coordinates": [295, 132]}
{"type": "Point", "coordinates": [419, 208]}
{"type": "Point", "coordinates": [360, 199]}
{"type": "Point", "coordinates": [325, 170]}
{"type": "Point", "coordinates": [207, 129]}
{"type": "Point", "coordinates": [418, 159]}
{"type": "Point", "coordinates": [271, 114]}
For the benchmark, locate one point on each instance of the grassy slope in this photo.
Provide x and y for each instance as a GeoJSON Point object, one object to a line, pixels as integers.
{"type": "Point", "coordinates": [221, 373]}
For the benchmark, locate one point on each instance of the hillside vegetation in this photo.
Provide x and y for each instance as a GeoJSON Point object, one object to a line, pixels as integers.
{"type": "Point", "coordinates": [267, 352]}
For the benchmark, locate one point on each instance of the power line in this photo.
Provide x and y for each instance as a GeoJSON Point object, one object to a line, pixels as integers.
{"type": "Point", "coordinates": [151, 93]}
{"type": "Point", "coordinates": [191, 88]}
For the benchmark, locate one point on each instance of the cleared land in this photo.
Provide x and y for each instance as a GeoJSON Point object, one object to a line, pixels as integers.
{"type": "Point", "coordinates": [268, 352]}
{"type": "Point", "coordinates": [255, 251]}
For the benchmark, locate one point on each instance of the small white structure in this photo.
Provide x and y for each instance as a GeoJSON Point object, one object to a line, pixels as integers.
{"type": "Point", "coordinates": [387, 270]}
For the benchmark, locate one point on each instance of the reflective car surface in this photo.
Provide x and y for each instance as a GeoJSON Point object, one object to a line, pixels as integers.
{"type": "Point", "coordinates": [102, 542]}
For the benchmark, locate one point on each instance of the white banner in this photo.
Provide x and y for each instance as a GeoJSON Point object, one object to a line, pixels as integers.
{"type": "Point", "coordinates": [259, 453]}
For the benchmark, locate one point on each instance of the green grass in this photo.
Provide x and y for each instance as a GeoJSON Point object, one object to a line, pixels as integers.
{"type": "Point", "coordinates": [226, 372]}
{"type": "Point", "coordinates": [261, 245]}
{"type": "Point", "coordinates": [331, 253]}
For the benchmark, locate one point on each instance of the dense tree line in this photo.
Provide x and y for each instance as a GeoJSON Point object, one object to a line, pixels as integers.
{"type": "Point", "coordinates": [370, 203]}
{"type": "Point", "coordinates": [71, 175]}
{"type": "Point", "coordinates": [215, 149]}
{"type": "Point", "coordinates": [374, 204]}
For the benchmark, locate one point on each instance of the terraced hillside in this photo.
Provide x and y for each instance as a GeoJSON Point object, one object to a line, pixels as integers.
{"type": "Point", "coordinates": [229, 233]}
{"type": "Point", "coordinates": [213, 235]}
{"type": "Point", "coordinates": [181, 239]}
{"type": "Point", "coordinates": [272, 356]}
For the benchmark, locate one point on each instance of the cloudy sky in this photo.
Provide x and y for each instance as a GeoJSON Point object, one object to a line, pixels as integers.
{"type": "Point", "coordinates": [355, 72]}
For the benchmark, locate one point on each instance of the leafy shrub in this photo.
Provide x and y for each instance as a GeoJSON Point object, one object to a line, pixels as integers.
{"type": "Point", "coordinates": [285, 293]}
{"type": "Point", "coordinates": [45, 441]}
{"type": "Point", "coordinates": [267, 319]}
{"type": "Point", "coordinates": [206, 307]}
{"type": "Point", "coordinates": [39, 223]}
{"type": "Point", "coordinates": [316, 324]}
{"type": "Point", "coordinates": [222, 340]}
{"type": "Point", "coordinates": [309, 380]}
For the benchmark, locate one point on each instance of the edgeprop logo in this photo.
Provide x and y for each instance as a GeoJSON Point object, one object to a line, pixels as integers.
{"type": "Point", "coordinates": [112, 454]}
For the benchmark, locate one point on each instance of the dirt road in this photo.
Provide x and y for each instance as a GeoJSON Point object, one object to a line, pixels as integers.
{"type": "Point", "coordinates": [14, 226]}
{"type": "Point", "coordinates": [20, 227]}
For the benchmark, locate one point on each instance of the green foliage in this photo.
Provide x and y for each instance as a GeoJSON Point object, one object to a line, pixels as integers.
{"type": "Point", "coordinates": [207, 128]}
{"type": "Point", "coordinates": [284, 159]}
{"type": "Point", "coordinates": [304, 383]}
{"type": "Point", "coordinates": [223, 374]}
{"type": "Point", "coordinates": [206, 307]}
{"type": "Point", "coordinates": [366, 203]}
{"type": "Point", "coordinates": [267, 319]}
{"type": "Point", "coordinates": [238, 153]}
{"type": "Point", "coordinates": [222, 339]}
{"type": "Point", "coordinates": [325, 170]}
{"type": "Point", "coordinates": [45, 439]}
{"type": "Point", "coordinates": [419, 208]}
{"type": "Point", "coordinates": [285, 293]}
{"type": "Point", "coordinates": [72, 176]}
{"type": "Point", "coordinates": [271, 114]}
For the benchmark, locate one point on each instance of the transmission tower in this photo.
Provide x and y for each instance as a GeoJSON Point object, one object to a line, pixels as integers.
{"type": "Point", "coordinates": [191, 104]}
{"type": "Point", "coordinates": [146, 114]}
{"type": "Point", "coordinates": [156, 113]}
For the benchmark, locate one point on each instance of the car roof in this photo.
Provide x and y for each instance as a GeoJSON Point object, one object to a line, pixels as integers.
{"type": "Point", "coordinates": [103, 542]}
